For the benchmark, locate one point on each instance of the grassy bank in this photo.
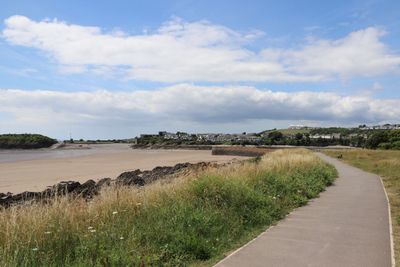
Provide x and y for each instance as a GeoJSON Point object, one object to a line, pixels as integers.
{"type": "Point", "coordinates": [191, 220]}
{"type": "Point", "coordinates": [387, 165]}
{"type": "Point", "coordinates": [25, 141]}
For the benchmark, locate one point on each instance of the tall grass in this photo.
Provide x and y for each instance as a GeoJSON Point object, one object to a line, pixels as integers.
{"type": "Point", "coordinates": [193, 219]}
{"type": "Point", "coordinates": [385, 163]}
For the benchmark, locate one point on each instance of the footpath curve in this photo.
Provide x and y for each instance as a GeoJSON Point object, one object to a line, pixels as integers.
{"type": "Point", "coordinates": [348, 225]}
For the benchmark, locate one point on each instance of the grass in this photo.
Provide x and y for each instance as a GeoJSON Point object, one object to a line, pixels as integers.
{"type": "Point", "coordinates": [291, 131]}
{"type": "Point", "coordinates": [192, 220]}
{"type": "Point", "coordinates": [385, 163]}
{"type": "Point", "coordinates": [294, 131]}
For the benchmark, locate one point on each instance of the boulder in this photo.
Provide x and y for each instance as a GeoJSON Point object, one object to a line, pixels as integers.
{"type": "Point", "coordinates": [162, 172]}
{"type": "Point", "coordinates": [130, 178]}
{"type": "Point", "coordinates": [103, 182]}
{"type": "Point", "coordinates": [25, 196]}
{"type": "Point", "coordinates": [90, 188]}
{"type": "Point", "coordinates": [60, 189]}
{"type": "Point", "coordinates": [5, 200]}
{"type": "Point", "coordinates": [87, 189]}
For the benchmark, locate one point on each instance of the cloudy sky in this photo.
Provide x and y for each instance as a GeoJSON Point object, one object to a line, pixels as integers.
{"type": "Point", "coordinates": [115, 69]}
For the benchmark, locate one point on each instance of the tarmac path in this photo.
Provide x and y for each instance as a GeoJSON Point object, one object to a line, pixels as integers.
{"type": "Point", "coordinates": [348, 225]}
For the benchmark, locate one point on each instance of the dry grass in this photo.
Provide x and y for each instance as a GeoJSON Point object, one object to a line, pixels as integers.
{"type": "Point", "coordinates": [191, 219]}
{"type": "Point", "coordinates": [385, 163]}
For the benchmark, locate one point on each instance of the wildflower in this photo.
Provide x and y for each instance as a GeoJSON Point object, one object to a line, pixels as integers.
{"type": "Point", "coordinates": [273, 197]}
{"type": "Point", "coordinates": [115, 212]}
{"type": "Point", "coordinates": [93, 231]}
{"type": "Point", "coordinates": [138, 204]}
{"type": "Point", "coordinates": [121, 238]}
{"type": "Point", "coordinates": [90, 228]}
{"type": "Point", "coordinates": [47, 233]}
{"type": "Point", "coordinates": [35, 249]}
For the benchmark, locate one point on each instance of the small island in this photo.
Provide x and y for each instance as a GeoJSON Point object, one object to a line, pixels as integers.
{"type": "Point", "coordinates": [25, 141]}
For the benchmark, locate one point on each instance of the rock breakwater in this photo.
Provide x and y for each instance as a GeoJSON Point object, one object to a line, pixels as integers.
{"type": "Point", "coordinates": [91, 188]}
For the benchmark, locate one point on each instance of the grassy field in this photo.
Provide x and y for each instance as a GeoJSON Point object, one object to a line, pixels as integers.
{"type": "Point", "coordinates": [291, 131]}
{"type": "Point", "coordinates": [191, 220]}
{"type": "Point", "coordinates": [385, 163]}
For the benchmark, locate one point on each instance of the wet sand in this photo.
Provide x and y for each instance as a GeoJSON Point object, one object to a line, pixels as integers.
{"type": "Point", "coordinates": [39, 169]}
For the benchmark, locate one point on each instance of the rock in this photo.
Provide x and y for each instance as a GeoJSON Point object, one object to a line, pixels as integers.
{"type": "Point", "coordinates": [162, 172]}
{"type": "Point", "coordinates": [87, 189]}
{"type": "Point", "coordinates": [47, 192]}
{"type": "Point", "coordinates": [5, 200]}
{"type": "Point", "coordinates": [130, 178]}
{"type": "Point", "coordinates": [103, 182]}
{"type": "Point", "coordinates": [66, 187]}
{"type": "Point", "coordinates": [25, 196]}
{"type": "Point", "coordinates": [90, 188]}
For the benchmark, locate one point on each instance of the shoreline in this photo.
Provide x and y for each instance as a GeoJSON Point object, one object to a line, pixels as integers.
{"type": "Point", "coordinates": [37, 174]}
{"type": "Point", "coordinates": [91, 188]}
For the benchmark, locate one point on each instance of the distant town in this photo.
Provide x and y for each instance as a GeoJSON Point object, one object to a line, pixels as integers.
{"type": "Point", "coordinates": [296, 135]}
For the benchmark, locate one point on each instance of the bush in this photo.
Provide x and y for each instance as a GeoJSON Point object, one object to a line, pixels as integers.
{"type": "Point", "coordinates": [25, 141]}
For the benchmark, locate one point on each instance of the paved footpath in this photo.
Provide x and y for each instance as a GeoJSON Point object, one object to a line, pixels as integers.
{"type": "Point", "coordinates": [348, 225]}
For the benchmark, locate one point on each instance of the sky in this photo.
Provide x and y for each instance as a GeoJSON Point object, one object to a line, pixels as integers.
{"type": "Point", "coordinates": [115, 69]}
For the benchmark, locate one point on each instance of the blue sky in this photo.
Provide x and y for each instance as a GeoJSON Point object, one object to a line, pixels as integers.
{"type": "Point", "coordinates": [150, 65]}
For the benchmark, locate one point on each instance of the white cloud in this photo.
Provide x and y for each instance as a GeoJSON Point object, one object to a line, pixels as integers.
{"type": "Point", "coordinates": [190, 104]}
{"type": "Point", "coordinates": [200, 51]}
{"type": "Point", "coordinates": [358, 54]}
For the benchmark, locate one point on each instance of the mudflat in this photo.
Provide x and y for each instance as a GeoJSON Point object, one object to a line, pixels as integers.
{"type": "Point", "coordinates": [35, 170]}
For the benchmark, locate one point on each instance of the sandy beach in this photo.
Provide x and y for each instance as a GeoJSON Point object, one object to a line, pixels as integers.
{"type": "Point", "coordinates": [20, 175]}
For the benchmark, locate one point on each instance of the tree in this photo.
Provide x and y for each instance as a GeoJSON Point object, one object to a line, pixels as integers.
{"type": "Point", "coordinates": [275, 135]}
{"type": "Point", "coordinates": [376, 138]}
{"type": "Point", "coordinates": [299, 136]}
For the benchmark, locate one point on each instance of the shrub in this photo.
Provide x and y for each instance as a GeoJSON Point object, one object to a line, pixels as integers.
{"type": "Point", "coordinates": [25, 141]}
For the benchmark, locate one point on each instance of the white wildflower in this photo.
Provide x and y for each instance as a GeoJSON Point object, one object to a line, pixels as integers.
{"type": "Point", "coordinates": [115, 212]}
{"type": "Point", "coordinates": [121, 238]}
{"type": "Point", "coordinates": [93, 231]}
{"type": "Point", "coordinates": [35, 249]}
{"type": "Point", "coordinates": [90, 228]}
{"type": "Point", "coordinates": [47, 233]}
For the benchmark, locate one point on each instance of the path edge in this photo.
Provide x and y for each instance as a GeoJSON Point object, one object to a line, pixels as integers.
{"type": "Point", "coordinates": [254, 239]}
{"type": "Point", "coordinates": [393, 260]}
{"type": "Point", "coordinates": [274, 225]}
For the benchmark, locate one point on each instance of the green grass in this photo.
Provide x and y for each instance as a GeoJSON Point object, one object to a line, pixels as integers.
{"type": "Point", "coordinates": [25, 141]}
{"type": "Point", "coordinates": [287, 132]}
{"type": "Point", "coordinates": [294, 131]}
{"type": "Point", "coordinates": [385, 163]}
{"type": "Point", "coordinates": [193, 220]}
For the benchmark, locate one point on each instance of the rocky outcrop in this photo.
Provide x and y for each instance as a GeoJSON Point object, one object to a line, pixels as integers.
{"type": "Point", "coordinates": [130, 178]}
{"type": "Point", "coordinates": [91, 188]}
